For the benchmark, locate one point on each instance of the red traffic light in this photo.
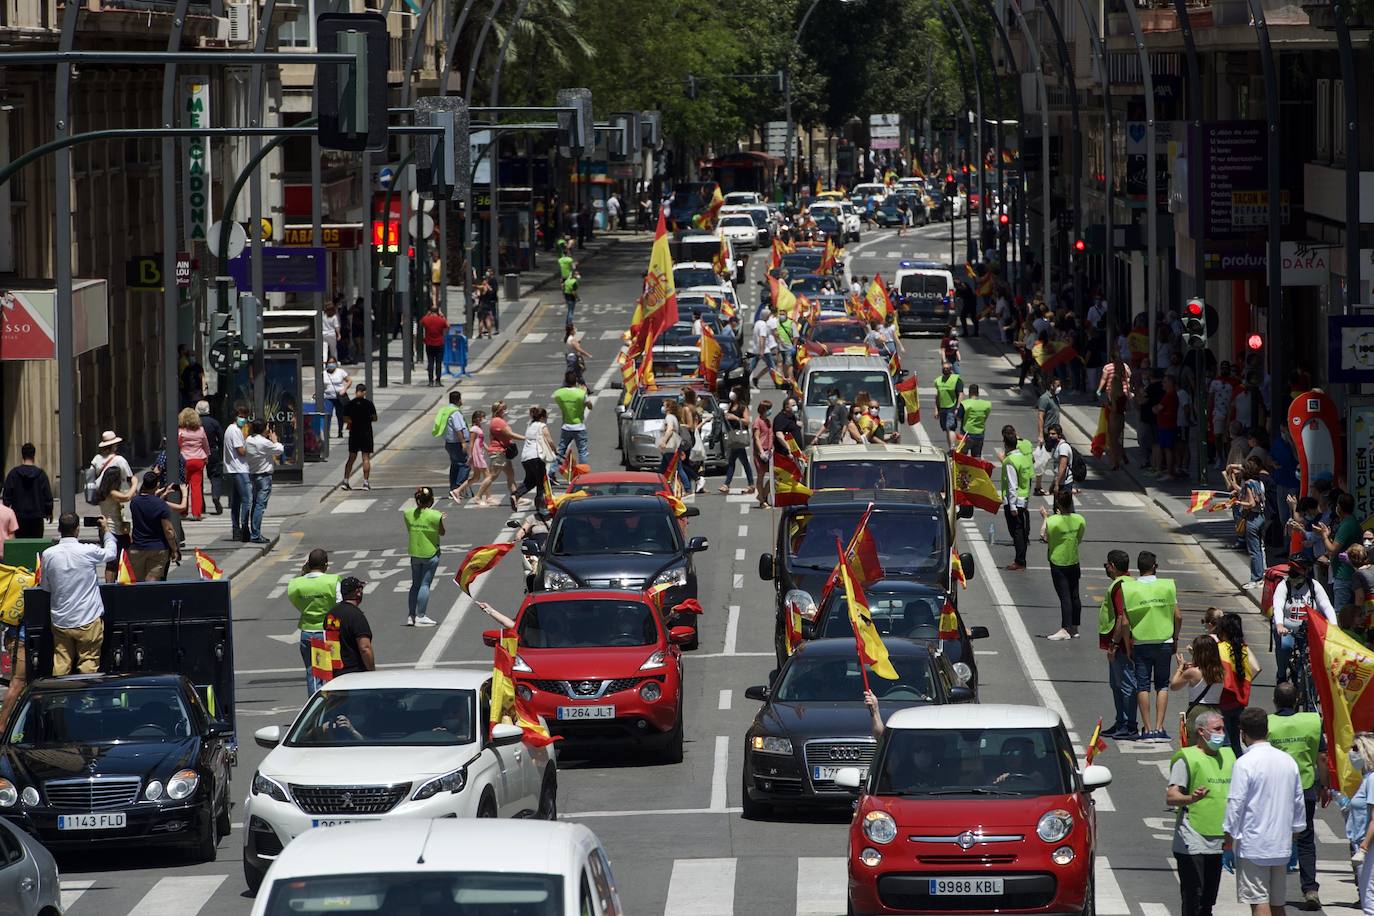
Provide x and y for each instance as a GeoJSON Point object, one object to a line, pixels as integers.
{"type": "Point", "coordinates": [1195, 308]}
{"type": "Point", "coordinates": [949, 176]}
{"type": "Point", "coordinates": [1004, 219]}
{"type": "Point", "coordinates": [1255, 342]}
{"type": "Point", "coordinates": [1080, 245]}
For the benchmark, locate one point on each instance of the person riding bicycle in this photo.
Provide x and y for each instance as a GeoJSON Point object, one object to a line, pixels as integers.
{"type": "Point", "coordinates": [1294, 598]}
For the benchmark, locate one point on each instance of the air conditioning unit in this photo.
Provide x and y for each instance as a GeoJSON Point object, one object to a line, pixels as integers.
{"type": "Point", "coordinates": [240, 22]}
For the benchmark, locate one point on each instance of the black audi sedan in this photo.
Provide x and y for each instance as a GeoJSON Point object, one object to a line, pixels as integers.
{"type": "Point", "coordinates": [94, 760]}
{"type": "Point", "coordinates": [627, 543]}
{"type": "Point", "coordinates": [813, 720]}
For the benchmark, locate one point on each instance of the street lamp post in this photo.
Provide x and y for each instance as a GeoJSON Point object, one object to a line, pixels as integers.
{"type": "Point", "coordinates": [787, 88]}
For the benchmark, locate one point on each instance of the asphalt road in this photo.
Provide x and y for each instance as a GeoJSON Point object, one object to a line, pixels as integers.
{"type": "Point", "coordinates": [675, 836]}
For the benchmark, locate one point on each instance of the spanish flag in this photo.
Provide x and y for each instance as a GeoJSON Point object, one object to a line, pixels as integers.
{"type": "Point", "coordinates": [853, 305]}
{"type": "Point", "coordinates": [794, 450]}
{"type": "Point", "coordinates": [1138, 342]}
{"type": "Point", "coordinates": [479, 560]}
{"type": "Point", "coordinates": [209, 570]}
{"type": "Point", "coordinates": [819, 188]}
{"type": "Point", "coordinates": [721, 260]}
{"type": "Point", "coordinates": [1236, 679]}
{"type": "Point", "coordinates": [657, 306]}
{"type": "Point", "coordinates": [571, 496]}
{"type": "Point", "coordinates": [1007, 157]}
{"type": "Point", "coordinates": [654, 594]}
{"type": "Point", "coordinates": [949, 622]}
{"type": "Point", "coordinates": [862, 553]}
{"type": "Point", "coordinates": [1096, 744]}
{"type": "Point", "coordinates": [793, 632]}
{"type": "Point", "coordinates": [708, 219]}
{"type": "Point", "coordinates": [828, 256]}
{"type": "Point", "coordinates": [646, 366]}
{"type": "Point", "coordinates": [956, 569]}
{"type": "Point", "coordinates": [38, 570]}
{"type": "Point", "coordinates": [503, 677]}
{"type": "Point", "coordinates": [536, 732]}
{"type": "Point", "coordinates": [894, 363]}
{"type": "Point", "coordinates": [1200, 499]}
{"type": "Point", "coordinates": [549, 505]}
{"type": "Point", "coordinates": [872, 651]}
{"type": "Point", "coordinates": [1051, 354]}
{"type": "Point", "coordinates": [321, 660]}
{"type": "Point", "coordinates": [911, 400]}
{"type": "Point", "coordinates": [968, 269]}
{"type": "Point", "coordinates": [675, 503]}
{"type": "Point", "coordinates": [126, 571]}
{"type": "Point", "coordinates": [973, 484]}
{"type": "Point", "coordinates": [916, 170]}
{"type": "Point", "coordinates": [1098, 446]}
{"type": "Point", "coordinates": [671, 475]}
{"type": "Point", "coordinates": [985, 285]}
{"type": "Point", "coordinates": [877, 303]}
{"type": "Point", "coordinates": [1342, 670]}
{"type": "Point", "coordinates": [629, 381]}
{"type": "Point", "coordinates": [708, 361]}
{"type": "Point", "coordinates": [788, 490]}
{"type": "Point", "coordinates": [783, 299]}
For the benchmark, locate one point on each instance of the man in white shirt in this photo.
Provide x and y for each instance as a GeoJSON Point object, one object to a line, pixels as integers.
{"type": "Point", "coordinates": [236, 472]}
{"type": "Point", "coordinates": [113, 491]}
{"type": "Point", "coordinates": [765, 344]}
{"type": "Point", "coordinates": [262, 451]}
{"type": "Point", "coordinates": [71, 574]}
{"type": "Point", "coordinates": [1264, 811]}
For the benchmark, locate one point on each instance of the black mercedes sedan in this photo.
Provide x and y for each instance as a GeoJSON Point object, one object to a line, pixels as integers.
{"type": "Point", "coordinates": [813, 720]}
{"type": "Point", "coordinates": [91, 760]}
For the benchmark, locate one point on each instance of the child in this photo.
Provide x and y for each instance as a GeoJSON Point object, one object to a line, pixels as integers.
{"type": "Point", "coordinates": [477, 456]}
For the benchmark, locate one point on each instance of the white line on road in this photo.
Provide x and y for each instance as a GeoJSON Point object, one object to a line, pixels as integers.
{"type": "Point", "coordinates": [448, 627]}
{"type": "Point", "coordinates": [646, 812]}
{"type": "Point", "coordinates": [719, 773]}
{"type": "Point", "coordinates": [744, 509]}
{"type": "Point", "coordinates": [536, 337]}
{"type": "Point", "coordinates": [739, 554]}
{"type": "Point", "coordinates": [1109, 899]}
{"type": "Point", "coordinates": [611, 334]}
{"type": "Point", "coordinates": [701, 887]}
{"type": "Point", "coordinates": [605, 379]}
{"type": "Point", "coordinates": [726, 696]}
{"type": "Point", "coordinates": [1154, 909]}
{"type": "Point", "coordinates": [1326, 835]}
{"type": "Point", "coordinates": [740, 497]}
{"type": "Point", "coordinates": [822, 885]}
{"type": "Point", "coordinates": [1125, 500]}
{"type": "Point", "coordinates": [739, 580]}
{"type": "Point", "coordinates": [732, 627]}
{"type": "Point", "coordinates": [72, 891]}
{"type": "Point", "coordinates": [353, 507]}
{"type": "Point", "coordinates": [518, 395]}
{"type": "Point", "coordinates": [183, 896]}
{"type": "Point", "coordinates": [744, 531]}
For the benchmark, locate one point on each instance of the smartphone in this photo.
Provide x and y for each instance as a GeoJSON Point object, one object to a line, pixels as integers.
{"type": "Point", "coordinates": [91, 521]}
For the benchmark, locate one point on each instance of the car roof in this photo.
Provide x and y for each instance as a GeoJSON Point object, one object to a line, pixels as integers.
{"type": "Point", "coordinates": [833, 363]}
{"type": "Point", "coordinates": [838, 646]}
{"type": "Point", "coordinates": [878, 451]}
{"type": "Point", "coordinates": [983, 715]}
{"type": "Point", "coordinates": [410, 679]}
{"type": "Point", "coordinates": [591, 504]}
{"type": "Point", "coordinates": [468, 844]}
{"type": "Point", "coordinates": [77, 682]}
{"type": "Point", "coordinates": [696, 265]}
{"type": "Point", "coordinates": [618, 477]}
{"type": "Point", "coordinates": [881, 499]}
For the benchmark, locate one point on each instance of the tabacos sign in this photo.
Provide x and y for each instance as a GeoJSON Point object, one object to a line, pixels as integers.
{"type": "Point", "coordinates": [196, 172]}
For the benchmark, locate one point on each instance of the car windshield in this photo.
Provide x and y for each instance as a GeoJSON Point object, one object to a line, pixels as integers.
{"type": "Point", "coordinates": [684, 277]}
{"type": "Point", "coordinates": [626, 488]}
{"type": "Point", "coordinates": [698, 249]}
{"type": "Point", "coordinates": [587, 623]}
{"type": "Point", "coordinates": [759, 218]}
{"type": "Point", "coordinates": [838, 680]}
{"type": "Point", "coordinates": [974, 761]}
{"type": "Point", "coordinates": [408, 893]}
{"type": "Point", "coordinates": [830, 332]}
{"type": "Point", "coordinates": [925, 287]}
{"type": "Point", "coordinates": [875, 381]}
{"type": "Point", "coordinates": [864, 474]}
{"type": "Point", "coordinates": [908, 611]}
{"type": "Point", "coordinates": [681, 334]}
{"type": "Point", "coordinates": [101, 715]}
{"type": "Point", "coordinates": [827, 224]}
{"type": "Point", "coordinates": [810, 285]}
{"type": "Point", "coordinates": [734, 221]}
{"type": "Point", "coordinates": [385, 717]}
{"type": "Point", "coordinates": [909, 542]}
{"type": "Point", "coordinates": [588, 533]}
{"type": "Point", "coordinates": [802, 261]}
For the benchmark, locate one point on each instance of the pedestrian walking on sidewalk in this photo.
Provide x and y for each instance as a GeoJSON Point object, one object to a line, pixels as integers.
{"type": "Point", "coordinates": [359, 416]}
{"type": "Point", "coordinates": [28, 492]}
{"type": "Point", "coordinates": [1199, 785]}
{"type": "Point", "coordinates": [1114, 638]}
{"type": "Point", "coordinates": [312, 594]}
{"type": "Point", "coordinates": [214, 463]}
{"type": "Point", "coordinates": [264, 450]}
{"type": "Point", "coordinates": [1299, 735]}
{"type": "Point", "coordinates": [71, 575]}
{"type": "Point", "coordinates": [1264, 810]}
{"type": "Point", "coordinates": [336, 382]}
{"type": "Point", "coordinates": [1155, 619]}
{"type": "Point", "coordinates": [1017, 468]}
{"type": "Point", "coordinates": [424, 527]}
{"type": "Point", "coordinates": [153, 541]}
{"type": "Point", "coordinates": [435, 327]}
{"type": "Point", "coordinates": [195, 449]}
{"type": "Point", "coordinates": [236, 469]}
{"type": "Point", "coordinates": [536, 454]}
{"type": "Point", "coordinates": [1063, 532]}
{"type": "Point", "coordinates": [355, 633]}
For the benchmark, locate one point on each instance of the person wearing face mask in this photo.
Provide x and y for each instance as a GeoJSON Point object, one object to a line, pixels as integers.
{"type": "Point", "coordinates": [737, 438]}
{"type": "Point", "coordinates": [1199, 783]}
{"type": "Point", "coordinates": [1357, 820]}
{"type": "Point", "coordinates": [355, 633]}
{"type": "Point", "coordinates": [236, 471]}
{"type": "Point", "coordinates": [1299, 735]}
{"type": "Point", "coordinates": [336, 382]}
{"type": "Point", "coordinates": [1295, 597]}
{"type": "Point", "coordinates": [1359, 556]}
{"type": "Point", "coordinates": [1264, 811]}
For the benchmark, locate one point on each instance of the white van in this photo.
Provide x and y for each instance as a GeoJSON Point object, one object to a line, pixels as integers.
{"type": "Point", "coordinates": [850, 374]}
{"type": "Point", "coordinates": [924, 291]}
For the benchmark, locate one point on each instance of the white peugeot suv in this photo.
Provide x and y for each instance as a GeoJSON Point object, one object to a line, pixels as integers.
{"type": "Point", "coordinates": [391, 744]}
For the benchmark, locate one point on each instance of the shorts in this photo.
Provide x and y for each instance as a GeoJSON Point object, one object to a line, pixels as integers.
{"type": "Point", "coordinates": [1152, 659]}
{"type": "Point", "coordinates": [360, 443]}
{"type": "Point", "coordinates": [122, 542]}
{"type": "Point", "coordinates": [1257, 883]}
{"type": "Point", "coordinates": [949, 419]}
{"type": "Point", "coordinates": [1165, 436]}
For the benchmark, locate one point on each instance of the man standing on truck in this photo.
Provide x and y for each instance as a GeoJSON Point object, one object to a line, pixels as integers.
{"type": "Point", "coordinates": [71, 575]}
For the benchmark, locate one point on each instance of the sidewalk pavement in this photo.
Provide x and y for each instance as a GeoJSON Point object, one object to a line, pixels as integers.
{"type": "Point", "coordinates": [399, 407]}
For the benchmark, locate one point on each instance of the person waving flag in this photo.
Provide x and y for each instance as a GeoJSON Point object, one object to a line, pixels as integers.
{"type": "Point", "coordinates": [479, 560]}
{"type": "Point", "coordinates": [872, 651]}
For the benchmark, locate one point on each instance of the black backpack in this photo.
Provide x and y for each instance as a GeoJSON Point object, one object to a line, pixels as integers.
{"type": "Point", "coordinates": [1077, 466]}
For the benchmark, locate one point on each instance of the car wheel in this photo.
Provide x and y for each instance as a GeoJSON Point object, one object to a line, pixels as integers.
{"type": "Point", "coordinates": [752, 810]}
{"type": "Point", "coordinates": [1090, 903]}
{"type": "Point", "coordinates": [548, 795]}
{"type": "Point", "coordinates": [487, 806]}
{"type": "Point", "coordinates": [207, 840]}
{"type": "Point", "coordinates": [252, 876]}
{"type": "Point", "coordinates": [223, 822]}
{"type": "Point", "coordinates": [672, 751]}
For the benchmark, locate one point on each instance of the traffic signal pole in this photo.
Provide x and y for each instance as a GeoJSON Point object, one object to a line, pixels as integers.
{"type": "Point", "coordinates": [171, 293]}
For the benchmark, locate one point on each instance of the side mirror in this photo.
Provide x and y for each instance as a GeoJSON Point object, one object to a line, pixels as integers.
{"type": "Point", "coordinates": [757, 692]}
{"type": "Point", "coordinates": [218, 728]}
{"type": "Point", "coordinates": [772, 676]}
{"type": "Point", "coordinates": [1096, 776]}
{"type": "Point", "coordinates": [966, 560]}
{"type": "Point", "coordinates": [491, 637]}
{"type": "Point", "coordinates": [961, 694]}
{"type": "Point", "coordinates": [849, 778]}
{"type": "Point", "coordinates": [529, 547]}
{"type": "Point", "coordinates": [766, 567]}
{"type": "Point", "coordinates": [697, 544]}
{"type": "Point", "coordinates": [978, 633]}
{"type": "Point", "coordinates": [268, 736]}
{"type": "Point", "coordinates": [693, 512]}
{"type": "Point", "coordinates": [620, 410]}
{"type": "Point", "coordinates": [503, 734]}
{"type": "Point", "coordinates": [680, 636]}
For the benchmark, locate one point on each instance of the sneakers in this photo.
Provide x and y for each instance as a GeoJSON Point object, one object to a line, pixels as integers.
{"type": "Point", "coordinates": [367, 484]}
{"type": "Point", "coordinates": [346, 485]}
{"type": "Point", "coordinates": [1155, 736]}
{"type": "Point", "coordinates": [1127, 733]}
{"type": "Point", "coordinates": [1119, 731]}
{"type": "Point", "coordinates": [1059, 635]}
{"type": "Point", "coordinates": [1253, 584]}
{"type": "Point", "coordinates": [424, 620]}
{"type": "Point", "coordinates": [1014, 567]}
{"type": "Point", "coordinates": [1311, 901]}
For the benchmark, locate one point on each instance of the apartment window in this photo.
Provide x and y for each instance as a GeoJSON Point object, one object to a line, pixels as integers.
{"type": "Point", "coordinates": [1324, 120]}
{"type": "Point", "coordinates": [1338, 120]}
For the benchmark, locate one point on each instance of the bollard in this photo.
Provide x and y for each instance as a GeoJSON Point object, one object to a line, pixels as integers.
{"type": "Point", "coordinates": [456, 352]}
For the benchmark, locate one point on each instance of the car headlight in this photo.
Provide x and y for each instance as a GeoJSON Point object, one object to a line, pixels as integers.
{"type": "Point", "coordinates": [153, 791]}
{"type": "Point", "coordinates": [273, 790]}
{"type": "Point", "coordinates": [805, 604]}
{"type": "Point", "coordinates": [767, 744]}
{"type": "Point", "coordinates": [8, 794]}
{"type": "Point", "coordinates": [1054, 825]}
{"type": "Point", "coordinates": [675, 576]}
{"type": "Point", "coordinates": [650, 691]}
{"type": "Point", "coordinates": [555, 581]}
{"type": "Point", "coordinates": [658, 660]}
{"type": "Point", "coordinates": [449, 782]}
{"type": "Point", "coordinates": [642, 439]}
{"type": "Point", "coordinates": [519, 664]}
{"type": "Point", "coordinates": [29, 796]}
{"type": "Point", "coordinates": [182, 784]}
{"type": "Point", "coordinates": [880, 827]}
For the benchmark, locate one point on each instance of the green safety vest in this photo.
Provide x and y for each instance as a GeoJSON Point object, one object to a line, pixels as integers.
{"type": "Point", "coordinates": [565, 264]}
{"type": "Point", "coordinates": [1300, 737]}
{"type": "Point", "coordinates": [1020, 459]}
{"type": "Point", "coordinates": [1150, 610]}
{"type": "Point", "coordinates": [313, 596]}
{"type": "Point", "coordinates": [786, 331]}
{"type": "Point", "coordinates": [976, 412]}
{"type": "Point", "coordinates": [1106, 616]}
{"type": "Point", "coordinates": [1208, 814]}
{"type": "Point", "coordinates": [944, 390]}
{"type": "Point", "coordinates": [570, 286]}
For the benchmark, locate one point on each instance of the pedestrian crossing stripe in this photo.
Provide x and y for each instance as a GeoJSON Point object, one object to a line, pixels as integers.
{"type": "Point", "coordinates": [518, 395]}
{"type": "Point", "coordinates": [353, 507]}
{"type": "Point", "coordinates": [536, 337]}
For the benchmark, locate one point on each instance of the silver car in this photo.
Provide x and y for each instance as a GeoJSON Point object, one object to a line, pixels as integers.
{"type": "Point", "coordinates": [28, 875]}
{"type": "Point", "coordinates": [642, 420]}
{"type": "Point", "coordinates": [851, 375]}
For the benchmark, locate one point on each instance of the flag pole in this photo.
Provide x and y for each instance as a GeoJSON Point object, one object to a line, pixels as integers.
{"type": "Point", "coordinates": [858, 640]}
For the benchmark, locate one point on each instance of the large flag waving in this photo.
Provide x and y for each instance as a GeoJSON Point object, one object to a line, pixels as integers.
{"type": "Point", "coordinates": [657, 306]}
{"type": "Point", "coordinates": [479, 560]}
{"type": "Point", "coordinates": [862, 552]}
{"type": "Point", "coordinates": [1051, 354]}
{"type": "Point", "coordinates": [503, 676]}
{"type": "Point", "coordinates": [973, 484]}
{"type": "Point", "coordinates": [877, 303]}
{"type": "Point", "coordinates": [872, 651]}
{"type": "Point", "coordinates": [1342, 669]}
{"type": "Point", "coordinates": [708, 362]}
{"type": "Point", "coordinates": [783, 298]}
{"type": "Point", "coordinates": [1098, 446]}
{"type": "Point", "coordinates": [911, 399]}
{"type": "Point", "coordinates": [788, 489]}
{"type": "Point", "coordinates": [708, 217]}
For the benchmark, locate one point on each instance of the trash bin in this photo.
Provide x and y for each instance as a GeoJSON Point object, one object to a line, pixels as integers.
{"type": "Point", "coordinates": [510, 287]}
{"type": "Point", "coordinates": [317, 435]}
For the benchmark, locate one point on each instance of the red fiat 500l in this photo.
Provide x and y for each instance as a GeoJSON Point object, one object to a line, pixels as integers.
{"type": "Point", "coordinates": [601, 666]}
{"type": "Point", "coordinates": [974, 808]}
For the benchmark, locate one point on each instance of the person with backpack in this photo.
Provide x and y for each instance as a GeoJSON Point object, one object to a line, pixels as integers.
{"type": "Point", "coordinates": [110, 485]}
{"type": "Point", "coordinates": [1249, 492]}
{"type": "Point", "coordinates": [1295, 597]}
{"type": "Point", "coordinates": [1066, 465]}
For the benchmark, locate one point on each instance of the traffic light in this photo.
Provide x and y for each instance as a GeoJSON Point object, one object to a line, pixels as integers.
{"type": "Point", "coordinates": [441, 160]}
{"type": "Point", "coordinates": [1255, 343]}
{"type": "Point", "coordinates": [383, 277]}
{"type": "Point", "coordinates": [575, 133]}
{"type": "Point", "coordinates": [1195, 325]}
{"type": "Point", "coordinates": [1003, 219]}
{"type": "Point", "coordinates": [1080, 246]}
{"type": "Point", "coordinates": [352, 96]}
{"type": "Point", "coordinates": [690, 87]}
